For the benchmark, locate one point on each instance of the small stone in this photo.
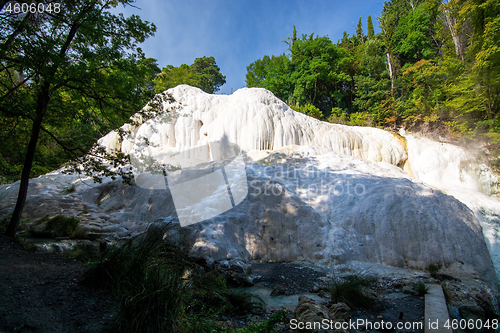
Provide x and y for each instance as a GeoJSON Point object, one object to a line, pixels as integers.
{"type": "Point", "coordinates": [278, 290]}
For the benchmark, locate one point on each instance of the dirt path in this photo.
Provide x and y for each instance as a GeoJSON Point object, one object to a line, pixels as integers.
{"type": "Point", "coordinates": [39, 292]}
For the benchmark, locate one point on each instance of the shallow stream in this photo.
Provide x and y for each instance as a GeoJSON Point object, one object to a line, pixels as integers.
{"type": "Point", "coordinates": [281, 300]}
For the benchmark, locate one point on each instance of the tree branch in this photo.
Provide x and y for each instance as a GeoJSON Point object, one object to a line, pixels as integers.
{"type": "Point", "coordinates": [6, 45]}
{"type": "Point", "coordinates": [68, 151]}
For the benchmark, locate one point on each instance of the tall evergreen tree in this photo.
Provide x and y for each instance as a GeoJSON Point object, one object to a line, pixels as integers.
{"type": "Point", "coordinates": [371, 31]}
{"type": "Point", "coordinates": [359, 31]}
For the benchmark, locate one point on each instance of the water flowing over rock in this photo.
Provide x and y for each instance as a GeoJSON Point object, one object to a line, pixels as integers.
{"type": "Point", "coordinates": [317, 192]}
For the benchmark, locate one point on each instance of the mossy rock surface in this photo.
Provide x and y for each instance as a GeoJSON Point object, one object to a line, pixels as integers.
{"type": "Point", "coordinates": [57, 226]}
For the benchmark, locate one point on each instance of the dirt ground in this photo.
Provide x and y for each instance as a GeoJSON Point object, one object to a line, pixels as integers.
{"type": "Point", "coordinates": [39, 292]}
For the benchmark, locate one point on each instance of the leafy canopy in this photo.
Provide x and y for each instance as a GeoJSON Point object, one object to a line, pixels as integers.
{"type": "Point", "coordinates": [203, 73]}
{"type": "Point", "coordinates": [67, 77]}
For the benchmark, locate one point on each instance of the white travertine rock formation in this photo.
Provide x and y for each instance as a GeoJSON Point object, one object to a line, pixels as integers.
{"type": "Point", "coordinates": [253, 118]}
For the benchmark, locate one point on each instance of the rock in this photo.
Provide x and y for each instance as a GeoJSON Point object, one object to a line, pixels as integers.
{"type": "Point", "coordinates": [90, 247]}
{"type": "Point", "coordinates": [278, 290]}
{"type": "Point", "coordinates": [235, 272]}
{"type": "Point", "coordinates": [309, 311]}
{"type": "Point", "coordinates": [472, 312]}
{"type": "Point", "coordinates": [472, 299]}
{"type": "Point", "coordinates": [339, 312]}
{"type": "Point", "coordinates": [409, 290]}
{"type": "Point", "coordinates": [271, 124]}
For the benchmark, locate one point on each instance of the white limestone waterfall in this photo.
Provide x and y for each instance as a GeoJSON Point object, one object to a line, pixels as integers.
{"type": "Point", "coordinates": [457, 172]}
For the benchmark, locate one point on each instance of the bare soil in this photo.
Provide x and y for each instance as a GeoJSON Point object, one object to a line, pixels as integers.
{"type": "Point", "coordinates": [40, 292]}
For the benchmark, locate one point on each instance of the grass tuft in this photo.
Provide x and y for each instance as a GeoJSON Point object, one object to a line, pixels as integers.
{"type": "Point", "coordinates": [420, 288]}
{"type": "Point", "coordinates": [60, 226]}
{"type": "Point", "coordinates": [350, 290]}
{"type": "Point", "coordinates": [433, 269]}
{"type": "Point", "coordinates": [267, 326]}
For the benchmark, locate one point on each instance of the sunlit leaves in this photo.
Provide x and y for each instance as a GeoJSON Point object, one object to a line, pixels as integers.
{"type": "Point", "coordinates": [203, 73]}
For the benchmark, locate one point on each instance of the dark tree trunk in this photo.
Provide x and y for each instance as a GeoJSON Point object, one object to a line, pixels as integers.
{"type": "Point", "coordinates": [42, 102]}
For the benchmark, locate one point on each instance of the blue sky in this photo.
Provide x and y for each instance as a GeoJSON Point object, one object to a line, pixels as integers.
{"type": "Point", "coordinates": [238, 32]}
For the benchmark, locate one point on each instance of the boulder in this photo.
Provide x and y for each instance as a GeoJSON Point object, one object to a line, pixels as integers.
{"type": "Point", "coordinates": [308, 311]}
{"type": "Point", "coordinates": [339, 312]}
{"type": "Point", "coordinates": [235, 272]}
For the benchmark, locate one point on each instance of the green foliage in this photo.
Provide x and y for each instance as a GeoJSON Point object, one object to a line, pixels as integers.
{"type": "Point", "coordinates": [267, 326]}
{"type": "Point", "coordinates": [173, 76]}
{"type": "Point", "coordinates": [25, 244]}
{"type": "Point", "coordinates": [94, 82]}
{"type": "Point", "coordinates": [309, 110]}
{"type": "Point", "coordinates": [338, 116]}
{"type": "Point", "coordinates": [413, 36]}
{"type": "Point", "coordinates": [421, 289]}
{"type": "Point", "coordinates": [350, 290]}
{"type": "Point", "coordinates": [371, 31]}
{"type": "Point", "coordinates": [433, 269]}
{"type": "Point", "coordinates": [65, 79]}
{"type": "Point", "coordinates": [314, 70]}
{"type": "Point", "coordinates": [319, 68]}
{"type": "Point", "coordinates": [272, 73]}
{"type": "Point", "coordinates": [203, 73]}
{"type": "Point", "coordinates": [59, 226]}
{"type": "Point", "coordinates": [359, 32]}
{"type": "Point", "coordinates": [360, 119]}
{"type": "Point", "coordinates": [159, 289]}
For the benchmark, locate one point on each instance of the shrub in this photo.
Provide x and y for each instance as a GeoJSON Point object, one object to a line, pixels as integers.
{"type": "Point", "coordinates": [309, 110]}
{"type": "Point", "coordinates": [349, 290]}
{"type": "Point", "coordinates": [242, 301]}
{"type": "Point", "coordinates": [268, 325]}
{"type": "Point", "coordinates": [338, 116]}
{"type": "Point", "coordinates": [61, 225]}
{"type": "Point", "coordinates": [433, 269]}
{"type": "Point", "coordinates": [58, 226]}
{"type": "Point", "coordinates": [360, 119]}
{"type": "Point", "coordinates": [25, 244]}
{"type": "Point", "coordinates": [159, 289]}
{"type": "Point", "coordinates": [420, 288]}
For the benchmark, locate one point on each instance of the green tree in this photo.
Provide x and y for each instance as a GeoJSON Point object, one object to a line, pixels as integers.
{"type": "Point", "coordinates": [414, 34]}
{"type": "Point", "coordinates": [359, 32]}
{"type": "Point", "coordinates": [271, 73]}
{"type": "Point", "coordinates": [372, 81]}
{"type": "Point", "coordinates": [371, 31]}
{"type": "Point", "coordinates": [203, 73]}
{"type": "Point", "coordinates": [77, 65]}
{"type": "Point", "coordinates": [319, 69]}
{"type": "Point", "coordinates": [171, 76]}
{"type": "Point", "coordinates": [210, 77]}
{"type": "Point", "coordinates": [309, 110]}
{"type": "Point", "coordinates": [318, 73]}
{"type": "Point", "coordinates": [485, 41]}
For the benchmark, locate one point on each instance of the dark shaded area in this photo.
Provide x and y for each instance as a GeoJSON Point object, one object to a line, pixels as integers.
{"type": "Point", "coordinates": [295, 278]}
{"type": "Point", "coordinates": [40, 292]}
